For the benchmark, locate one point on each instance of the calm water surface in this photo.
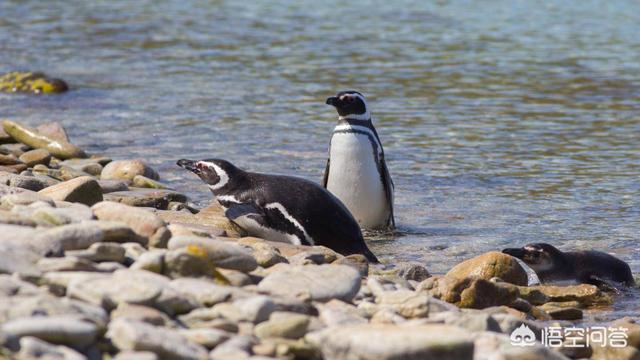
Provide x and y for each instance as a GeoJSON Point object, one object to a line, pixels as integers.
{"type": "Point", "coordinates": [504, 122]}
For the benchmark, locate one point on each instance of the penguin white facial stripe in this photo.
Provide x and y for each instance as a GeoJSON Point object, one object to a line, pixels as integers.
{"type": "Point", "coordinates": [291, 219]}
{"type": "Point", "coordinates": [228, 198]}
{"type": "Point", "coordinates": [224, 177]}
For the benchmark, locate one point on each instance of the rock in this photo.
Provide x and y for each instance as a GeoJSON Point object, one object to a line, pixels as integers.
{"type": "Point", "coordinates": [143, 222]}
{"type": "Point", "coordinates": [338, 313]}
{"type": "Point", "coordinates": [222, 253]}
{"type": "Point", "coordinates": [22, 181]}
{"type": "Point", "coordinates": [393, 342]}
{"type": "Point", "coordinates": [31, 82]}
{"type": "Point", "coordinates": [191, 260]}
{"type": "Point", "coordinates": [267, 255]}
{"type": "Point", "coordinates": [284, 325]}
{"type": "Point", "coordinates": [9, 218]}
{"type": "Point", "coordinates": [412, 271]}
{"type": "Point", "coordinates": [119, 232]}
{"type": "Point", "coordinates": [12, 285]}
{"type": "Point", "coordinates": [89, 166]}
{"type": "Point", "coordinates": [136, 355]}
{"type": "Point", "coordinates": [152, 260]}
{"type": "Point", "coordinates": [633, 330]}
{"type": "Point", "coordinates": [34, 348]}
{"type": "Point", "coordinates": [18, 196]}
{"type": "Point", "coordinates": [166, 343]}
{"type": "Point", "coordinates": [489, 265]}
{"type": "Point", "coordinates": [562, 312]}
{"type": "Point", "coordinates": [238, 278]}
{"type": "Point", "coordinates": [68, 237]}
{"type": "Point", "coordinates": [206, 292]}
{"type": "Point", "coordinates": [109, 291]}
{"type": "Point", "coordinates": [209, 338]}
{"type": "Point", "coordinates": [98, 252]}
{"type": "Point", "coordinates": [238, 347]}
{"type": "Point", "coordinates": [109, 186]}
{"type": "Point", "coordinates": [144, 182]}
{"type": "Point", "coordinates": [9, 159]}
{"type": "Point", "coordinates": [46, 215]}
{"type": "Point", "coordinates": [357, 261]}
{"type": "Point", "coordinates": [472, 293]}
{"type": "Point", "coordinates": [320, 282]}
{"type": "Point", "coordinates": [54, 130]}
{"type": "Point", "coordinates": [16, 149]}
{"type": "Point", "coordinates": [22, 260]}
{"type": "Point", "coordinates": [213, 221]}
{"type": "Point", "coordinates": [490, 345]}
{"type": "Point", "coordinates": [584, 294]}
{"type": "Point", "coordinates": [127, 170]}
{"type": "Point", "coordinates": [412, 304]}
{"type": "Point", "coordinates": [84, 190]}
{"type": "Point", "coordinates": [67, 263]}
{"type": "Point", "coordinates": [255, 309]}
{"type": "Point", "coordinates": [140, 313]}
{"type": "Point", "coordinates": [28, 136]}
{"type": "Point", "coordinates": [61, 329]}
{"type": "Point", "coordinates": [154, 198]}
{"type": "Point", "coordinates": [34, 157]}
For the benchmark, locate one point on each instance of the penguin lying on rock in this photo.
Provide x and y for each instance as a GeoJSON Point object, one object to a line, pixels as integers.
{"type": "Point", "coordinates": [281, 208]}
{"type": "Point", "coordinates": [356, 171]}
{"type": "Point", "coordinates": [589, 267]}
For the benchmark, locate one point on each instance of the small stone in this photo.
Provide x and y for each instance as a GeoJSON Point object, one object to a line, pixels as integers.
{"type": "Point", "coordinates": [136, 355]}
{"type": "Point", "coordinates": [223, 254]}
{"type": "Point", "coordinates": [69, 237]}
{"type": "Point", "coordinates": [154, 198]}
{"type": "Point", "coordinates": [238, 347]}
{"type": "Point", "coordinates": [189, 261]}
{"type": "Point", "coordinates": [562, 313]}
{"type": "Point", "coordinates": [89, 166]}
{"type": "Point", "coordinates": [209, 338]}
{"type": "Point", "coordinates": [34, 157]}
{"type": "Point", "coordinates": [61, 329]}
{"type": "Point", "coordinates": [143, 222]}
{"type": "Point", "coordinates": [18, 196]}
{"type": "Point", "coordinates": [67, 263]}
{"type": "Point", "coordinates": [141, 313]}
{"type": "Point", "coordinates": [62, 216]}
{"type": "Point", "coordinates": [357, 261]}
{"type": "Point", "coordinates": [410, 304]}
{"type": "Point", "coordinates": [34, 348]}
{"type": "Point", "coordinates": [413, 271]}
{"type": "Point", "coordinates": [283, 324]}
{"type": "Point", "coordinates": [84, 190]}
{"type": "Point", "coordinates": [110, 291]}
{"type": "Point", "coordinates": [205, 292]}
{"type": "Point", "coordinates": [54, 130]}
{"type": "Point", "coordinates": [109, 186]}
{"type": "Point", "coordinates": [267, 255]}
{"type": "Point", "coordinates": [144, 182]}
{"type": "Point", "coordinates": [489, 265]}
{"type": "Point", "coordinates": [119, 232]}
{"type": "Point", "coordinates": [23, 181]}
{"type": "Point", "coordinates": [336, 313]}
{"type": "Point", "coordinates": [152, 260]}
{"type": "Point", "coordinates": [320, 282]}
{"type": "Point", "coordinates": [98, 252]}
{"type": "Point", "coordinates": [9, 160]}
{"type": "Point", "coordinates": [127, 170]}
{"type": "Point", "coordinates": [255, 309]}
{"type": "Point", "coordinates": [237, 278]}
{"type": "Point", "coordinates": [166, 343]}
{"type": "Point", "coordinates": [584, 294]}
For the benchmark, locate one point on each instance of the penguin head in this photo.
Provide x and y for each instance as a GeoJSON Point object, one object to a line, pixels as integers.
{"type": "Point", "coordinates": [214, 172]}
{"type": "Point", "coordinates": [350, 105]}
{"type": "Point", "coordinates": [539, 256]}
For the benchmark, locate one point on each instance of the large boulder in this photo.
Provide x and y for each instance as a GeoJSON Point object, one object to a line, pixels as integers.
{"type": "Point", "coordinates": [31, 82]}
{"type": "Point", "coordinates": [490, 265]}
{"type": "Point", "coordinates": [58, 148]}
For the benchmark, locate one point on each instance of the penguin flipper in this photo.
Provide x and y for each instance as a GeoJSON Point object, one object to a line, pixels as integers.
{"type": "Point", "coordinates": [601, 283]}
{"type": "Point", "coordinates": [388, 189]}
{"type": "Point", "coordinates": [325, 177]}
{"type": "Point", "coordinates": [236, 211]}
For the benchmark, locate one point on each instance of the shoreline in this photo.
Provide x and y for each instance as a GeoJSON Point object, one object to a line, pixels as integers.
{"type": "Point", "coordinates": [118, 263]}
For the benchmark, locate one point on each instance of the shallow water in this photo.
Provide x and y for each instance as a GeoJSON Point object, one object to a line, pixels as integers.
{"type": "Point", "coordinates": [503, 122]}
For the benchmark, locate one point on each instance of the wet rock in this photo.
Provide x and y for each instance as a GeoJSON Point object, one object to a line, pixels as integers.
{"type": "Point", "coordinates": [209, 338]}
{"type": "Point", "coordinates": [393, 342]}
{"type": "Point", "coordinates": [490, 345]}
{"type": "Point", "coordinates": [31, 82]}
{"type": "Point", "coordinates": [30, 137]}
{"type": "Point", "coordinates": [154, 198]}
{"type": "Point", "coordinates": [320, 282]}
{"type": "Point", "coordinates": [143, 222]}
{"type": "Point", "coordinates": [283, 325]}
{"type": "Point", "coordinates": [166, 343]}
{"type": "Point", "coordinates": [60, 329]}
{"type": "Point", "coordinates": [128, 170]}
{"type": "Point", "coordinates": [34, 157]}
{"type": "Point", "coordinates": [357, 261]}
{"type": "Point", "coordinates": [34, 348]}
{"type": "Point", "coordinates": [98, 252]}
{"type": "Point", "coordinates": [222, 253]}
{"type": "Point", "coordinates": [144, 182]}
{"type": "Point", "coordinates": [69, 237]}
{"type": "Point", "coordinates": [140, 313]}
{"type": "Point", "coordinates": [559, 312]}
{"type": "Point", "coordinates": [109, 186]}
{"type": "Point", "coordinates": [489, 265]}
{"type": "Point", "coordinates": [84, 190]}
{"type": "Point", "coordinates": [468, 292]}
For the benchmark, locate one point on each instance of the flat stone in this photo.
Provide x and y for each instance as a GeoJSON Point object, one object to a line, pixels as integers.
{"type": "Point", "coordinates": [469, 292]}
{"type": "Point", "coordinates": [267, 255]}
{"type": "Point", "coordinates": [337, 312]}
{"type": "Point", "coordinates": [22, 261]}
{"type": "Point", "coordinates": [60, 329]}
{"type": "Point", "coordinates": [119, 232]}
{"type": "Point", "coordinates": [320, 282]}
{"type": "Point", "coordinates": [166, 343]}
{"type": "Point", "coordinates": [10, 218]}
{"type": "Point", "coordinates": [490, 265]}
{"type": "Point", "coordinates": [209, 216]}
{"type": "Point", "coordinates": [69, 237]}
{"type": "Point", "coordinates": [283, 325]}
{"type": "Point", "coordinates": [412, 304]}
{"type": "Point", "coordinates": [561, 312]}
{"type": "Point", "coordinates": [99, 252]}
{"type": "Point", "coordinates": [254, 309]}
{"type": "Point", "coordinates": [138, 197]}
{"type": "Point", "coordinates": [584, 294]}
{"type": "Point", "coordinates": [393, 342]}
{"type": "Point", "coordinates": [136, 355]}
{"type": "Point", "coordinates": [205, 292]}
{"type": "Point", "coordinates": [23, 181]}
{"type": "Point", "coordinates": [53, 130]}
{"type": "Point", "coordinates": [127, 170]}
{"type": "Point", "coordinates": [62, 216]}
{"type": "Point", "coordinates": [58, 148]}
{"type": "Point", "coordinates": [238, 347]}
{"type": "Point", "coordinates": [209, 338]}
{"type": "Point", "coordinates": [224, 254]}
{"type": "Point", "coordinates": [109, 186]}
{"type": "Point", "coordinates": [12, 196]}
{"type": "Point", "coordinates": [152, 260]}
{"type": "Point", "coordinates": [67, 263]}
{"type": "Point", "coordinates": [9, 159]}
{"type": "Point", "coordinates": [190, 261]}
{"type": "Point", "coordinates": [83, 189]}
{"type": "Point", "coordinates": [34, 157]}
{"type": "Point", "coordinates": [141, 313]}
{"type": "Point", "coordinates": [144, 182]}
{"type": "Point", "coordinates": [34, 348]}
{"type": "Point", "coordinates": [143, 222]}
{"type": "Point", "coordinates": [357, 261]}
{"type": "Point", "coordinates": [89, 166]}
{"type": "Point", "coordinates": [12, 285]}
{"type": "Point", "coordinates": [110, 291]}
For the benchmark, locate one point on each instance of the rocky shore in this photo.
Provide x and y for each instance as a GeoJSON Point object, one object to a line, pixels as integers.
{"type": "Point", "coordinates": [100, 260]}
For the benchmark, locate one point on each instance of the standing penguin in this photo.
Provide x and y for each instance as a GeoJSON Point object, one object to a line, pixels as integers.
{"type": "Point", "coordinates": [281, 208]}
{"type": "Point", "coordinates": [356, 170]}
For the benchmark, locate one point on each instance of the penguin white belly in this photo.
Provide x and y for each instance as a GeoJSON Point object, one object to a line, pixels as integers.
{"type": "Point", "coordinates": [354, 178]}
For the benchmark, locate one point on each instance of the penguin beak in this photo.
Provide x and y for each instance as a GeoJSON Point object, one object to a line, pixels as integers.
{"type": "Point", "coordinates": [515, 252]}
{"type": "Point", "coordinates": [189, 165]}
{"type": "Point", "coordinates": [333, 101]}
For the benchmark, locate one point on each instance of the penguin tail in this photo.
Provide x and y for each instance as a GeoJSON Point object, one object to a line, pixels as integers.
{"type": "Point", "coordinates": [370, 256]}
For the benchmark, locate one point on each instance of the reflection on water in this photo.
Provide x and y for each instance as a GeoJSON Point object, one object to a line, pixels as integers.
{"type": "Point", "coordinates": [503, 122]}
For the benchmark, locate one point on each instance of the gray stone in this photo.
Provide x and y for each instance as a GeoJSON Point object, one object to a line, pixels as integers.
{"type": "Point", "coordinates": [89, 166]}
{"type": "Point", "coordinates": [61, 216]}
{"type": "Point", "coordinates": [209, 338]}
{"type": "Point", "coordinates": [22, 261]}
{"type": "Point", "coordinates": [205, 292]}
{"type": "Point", "coordinates": [320, 282]}
{"type": "Point", "coordinates": [357, 261]}
{"type": "Point", "coordinates": [393, 342]}
{"type": "Point", "coordinates": [254, 309]}
{"type": "Point", "coordinates": [110, 291]}
{"type": "Point", "coordinates": [140, 313]}
{"type": "Point", "coordinates": [152, 260]}
{"type": "Point", "coordinates": [69, 237]}
{"type": "Point", "coordinates": [119, 232]}
{"type": "Point", "coordinates": [283, 325]}
{"type": "Point", "coordinates": [22, 181]}
{"type": "Point", "coordinates": [166, 343]}
{"type": "Point", "coordinates": [83, 189]}
{"type": "Point", "coordinates": [153, 198]}
{"type": "Point", "coordinates": [224, 254]}
{"type": "Point", "coordinates": [22, 197]}
{"type": "Point", "coordinates": [60, 329]}
{"type": "Point", "coordinates": [238, 347]}
{"type": "Point", "coordinates": [10, 218]}
{"type": "Point", "coordinates": [412, 271]}
{"type": "Point", "coordinates": [143, 222]}
{"type": "Point", "coordinates": [136, 355]}
{"type": "Point", "coordinates": [109, 186]}
{"type": "Point", "coordinates": [337, 312]}
{"type": "Point", "coordinates": [34, 157]}
{"type": "Point", "coordinates": [11, 285]}
{"type": "Point", "coordinates": [67, 263]}
{"type": "Point", "coordinates": [34, 348]}
{"type": "Point", "coordinates": [102, 251]}
{"type": "Point", "coordinates": [412, 304]}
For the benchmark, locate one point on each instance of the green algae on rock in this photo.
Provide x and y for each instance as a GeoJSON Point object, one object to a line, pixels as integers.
{"type": "Point", "coordinates": [31, 82]}
{"type": "Point", "coordinates": [32, 138]}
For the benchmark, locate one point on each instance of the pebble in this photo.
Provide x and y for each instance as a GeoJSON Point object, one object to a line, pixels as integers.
{"type": "Point", "coordinates": [142, 222]}
{"type": "Point", "coordinates": [152, 260]}
{"type": "Point", "coordinates": [136, 355]}
{"type": "Point", "coordinates": [209, 338]}
{"type": "Point", "coordinates": [412, 271]}
{"type": "Point", "coordinates": [57, 329]}
{"type": "Point", "coordinates": [34, 157]}
{"type": "Point", "coordinates": [83, 190]}
{"type": "Point", "coordinates": [34, 348]}
{"type": "Point", "coordinates": [67, 263]}
{"type": "Point", "coordinates": [127, 170]}
{"type": "Point", "coordinates": [164, 342]}
{"type": "Point", "coordinates": [255, 309]}
{"type": "Point", "coordinates": [69, 237]}
{"type": "Point", "coordinates": [144, 182]}
{"type": "Point", "coordinates": [109, 186]}
{"type": "Point", "coordinates": [153, 198]}
{"type": "Point", "coordinates": [98, 252]}
{"type": "Point", "coordinates": [61, 215]}
{"type": "Point", "coordinates": [222, 253]}
{"type": "Point", "coordinates": [490, 265]}
{"type": "Point", "coordinates": [320, 282]}
{"type": "Point", "coordinates": [283, 325]}
{"type": "Point", "coordinates": [141, 313]}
